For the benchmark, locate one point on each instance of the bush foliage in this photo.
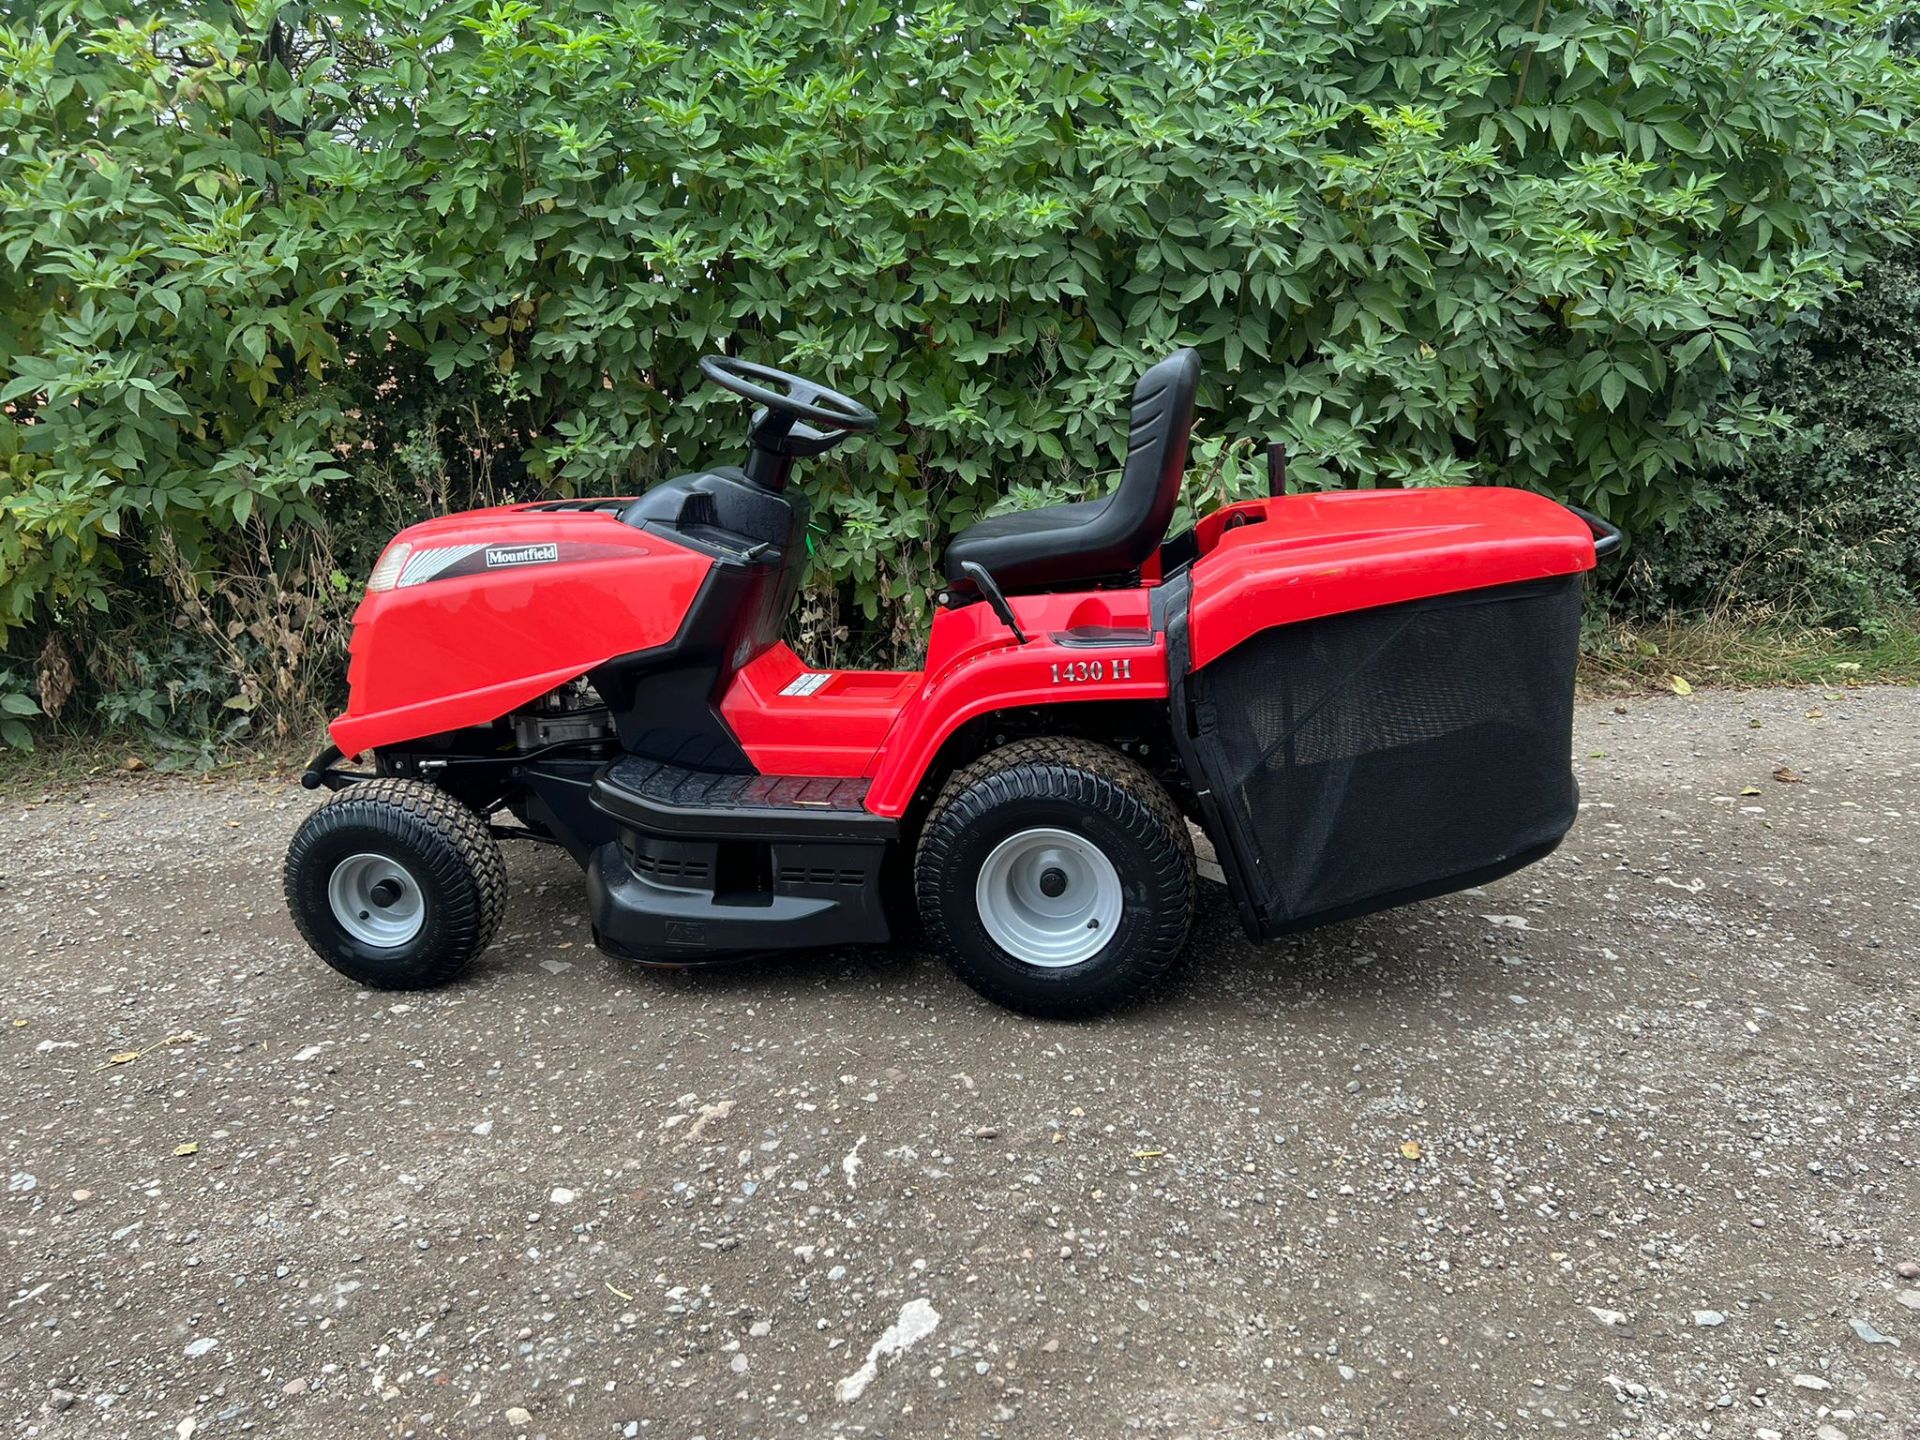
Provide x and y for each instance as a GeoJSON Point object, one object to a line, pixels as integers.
{"type": "Point", "coordinates": [1821, 520]}
{"type": "Point", "coordinates": [280, 275]}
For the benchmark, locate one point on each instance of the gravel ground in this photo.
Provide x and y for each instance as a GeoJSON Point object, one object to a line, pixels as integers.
{"type": "Point", "coordinates": [1627, 1144]}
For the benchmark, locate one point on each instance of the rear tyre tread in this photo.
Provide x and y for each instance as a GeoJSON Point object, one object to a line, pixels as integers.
{"type": "Point", "coordinates": [452, 851]}
{"type": "Point", "coordinates": [1090, 777]}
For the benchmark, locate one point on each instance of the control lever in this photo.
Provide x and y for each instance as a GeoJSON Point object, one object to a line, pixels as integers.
{"type": "Point", "coordinates": [988, 587]}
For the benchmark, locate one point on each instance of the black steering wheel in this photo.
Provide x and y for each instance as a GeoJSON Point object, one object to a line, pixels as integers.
{"type": "Point", "coordinates": [797, 416]}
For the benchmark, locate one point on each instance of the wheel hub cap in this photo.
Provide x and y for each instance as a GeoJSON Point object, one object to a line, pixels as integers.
{"type": "Point", "coordinates": [376, 900]}
{"type": "Point", "coordinates": [1049, 897]}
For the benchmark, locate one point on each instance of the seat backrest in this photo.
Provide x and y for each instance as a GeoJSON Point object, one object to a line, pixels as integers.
{"type": "Point", "coordinates": [1157, 431]}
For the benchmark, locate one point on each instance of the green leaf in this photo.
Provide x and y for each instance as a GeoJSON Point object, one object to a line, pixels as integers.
{"type": "Point", "coordinates": [1690, 350]}
{"type": "Point", "coordinates": [1613, 389]}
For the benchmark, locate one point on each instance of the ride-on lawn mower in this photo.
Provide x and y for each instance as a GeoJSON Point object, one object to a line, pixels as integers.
{"type": "Point", "coordinates": [1363, 698]}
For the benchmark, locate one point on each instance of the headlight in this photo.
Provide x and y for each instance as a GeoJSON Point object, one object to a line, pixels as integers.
{"type": "Point", "coordinates": [387, 573]}
{"type": "Point", "coordinates": [405, 564]}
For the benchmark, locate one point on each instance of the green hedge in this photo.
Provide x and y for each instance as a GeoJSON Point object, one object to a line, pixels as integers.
{"type": "Point", "coordinates": [277, 279]}
{"type": "Point", "coordinates": [1820, 522]}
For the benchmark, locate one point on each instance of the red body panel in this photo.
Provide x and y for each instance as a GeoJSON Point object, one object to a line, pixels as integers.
{"type": "Point", "coordinates": [794, 721]}
{"type": "Point", "coordinates": [974, 667]}
{"type": "Point", "coordinates": [1303, 556]}
{"type": "Point", "coordinates": [464, 649]}
{"type": "Point", "coordinates": [889, 724]}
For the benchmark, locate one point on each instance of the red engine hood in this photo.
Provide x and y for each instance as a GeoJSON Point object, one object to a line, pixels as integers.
{"type": "Point", "coordinates": [490, 608]}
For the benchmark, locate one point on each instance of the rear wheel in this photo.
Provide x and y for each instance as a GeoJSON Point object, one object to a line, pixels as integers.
{"type": "Point", "coordinates": [396, 884]}
{"type": "Point", "coordinates": [1056, 877]}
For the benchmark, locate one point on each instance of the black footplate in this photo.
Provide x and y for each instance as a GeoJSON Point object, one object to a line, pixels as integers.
{"type": "Point", "coordinates": [708, 866]}
{"type": "Point", "coordinates": [673, 800]}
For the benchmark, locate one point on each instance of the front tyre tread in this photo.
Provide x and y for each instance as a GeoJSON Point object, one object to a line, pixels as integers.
{"type": "Point", "coordinates": [449, 850]}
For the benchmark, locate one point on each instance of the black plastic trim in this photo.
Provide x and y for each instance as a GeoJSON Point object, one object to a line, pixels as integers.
{"type": "Point", "coordinates": [810, 905]}
{"type": "Point", "coordinates": [1608, 537]}
{"type": "Point", "coordinates": [323, 772]}
{"type": "Point", "coordinates": [666, 701]}
{"type": "Point", "coordinates": [1169, 597]}
{"type": "Point", "coordinates": [1230, 845]}
{"type": "Point", "coordinates": [581, 503]}
{"type": "Point", "coordinates": [675, 800]}
{"type": "Point", "coordinates": [1178, 551]}
{"type": "Point", "coordinates": [558, 797]}
{"type": "Point", "coordinates": [1100, 637]}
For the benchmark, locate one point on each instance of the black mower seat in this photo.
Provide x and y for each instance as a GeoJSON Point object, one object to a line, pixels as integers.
{"type": "Point", "coordinates": [1058, 545]}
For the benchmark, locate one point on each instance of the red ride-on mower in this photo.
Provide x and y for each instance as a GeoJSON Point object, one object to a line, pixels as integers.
{"type": "Point", "coordinates": [1364, 698]}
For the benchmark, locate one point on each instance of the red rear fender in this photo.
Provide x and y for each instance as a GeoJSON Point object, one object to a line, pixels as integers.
{"type": "Point", "coordinates": [1273, 562]}
{"type": "Point", "coordinates": [975, 667]}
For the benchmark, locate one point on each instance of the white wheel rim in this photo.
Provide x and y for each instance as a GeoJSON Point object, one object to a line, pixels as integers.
{"type": "Point", "coordinates": [1050, 930]}
{"type": "Point", "coordinates": [376, 900]}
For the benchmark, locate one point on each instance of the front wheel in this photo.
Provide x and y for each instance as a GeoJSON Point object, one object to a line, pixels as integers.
{"type": "Point", "coordinates": [396, 884]}
{"type": "Point", "coordinates": [1056, 877]}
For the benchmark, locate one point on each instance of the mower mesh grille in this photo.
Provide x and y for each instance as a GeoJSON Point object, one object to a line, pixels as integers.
{"type": "Point", "coordinates": [1374, 757]}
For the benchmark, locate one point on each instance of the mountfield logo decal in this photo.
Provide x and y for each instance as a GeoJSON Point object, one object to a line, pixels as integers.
{"type": "Point", "coordinates": [498, 555]}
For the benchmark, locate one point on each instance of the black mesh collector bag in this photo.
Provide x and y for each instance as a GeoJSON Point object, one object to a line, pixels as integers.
{"type": "Point", "coordinates": [1376, 757]}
